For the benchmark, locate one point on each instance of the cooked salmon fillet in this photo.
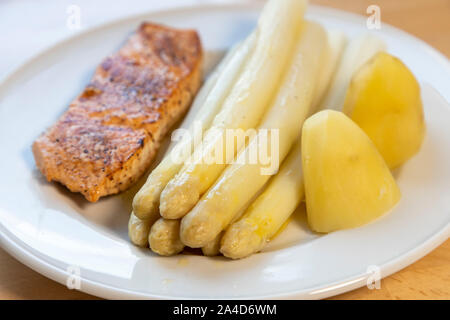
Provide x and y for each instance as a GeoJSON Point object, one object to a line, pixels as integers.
{"type": "Point", "coordinates": [109, 135]}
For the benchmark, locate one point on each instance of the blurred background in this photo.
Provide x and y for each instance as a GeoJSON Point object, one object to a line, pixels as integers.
{"type": "Point", "coordinates": [29, 26]}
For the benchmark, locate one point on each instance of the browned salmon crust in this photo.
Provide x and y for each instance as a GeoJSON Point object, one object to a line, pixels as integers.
{"type": "Point", "coordinates": [109, 135]}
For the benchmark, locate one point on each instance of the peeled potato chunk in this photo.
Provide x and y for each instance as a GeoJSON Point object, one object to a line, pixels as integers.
{"type": "Point", "coordinates": [347, 182]}
{"type": "Point", "coordinates": [384, 100]}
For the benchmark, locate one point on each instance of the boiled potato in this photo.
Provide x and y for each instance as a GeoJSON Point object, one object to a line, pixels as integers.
{"type": "Point", "coordinates": [384, 100]}
{"type": "Point", "coordinates": [347, 182]}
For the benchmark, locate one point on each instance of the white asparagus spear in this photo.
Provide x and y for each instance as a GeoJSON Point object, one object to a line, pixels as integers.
{"type": "Point", "coordinates": [164, 238]}
{"type": "Point", "coordinates": [267, 215]}
{"type": "Point", "coordinates": [337, 41]}
{"type": "Point", "coordinates": [212, 248]}
{"type": "Point", "coordinates": [357, 52]}
{"type": "Point", "coordinates": [205, 107]}
{"type": "Point", "coordinates": [138, 230]}
{"type": "Point", "coordinates": [242, 179]}
{"type": "Point", "coordinates": [278, 27]}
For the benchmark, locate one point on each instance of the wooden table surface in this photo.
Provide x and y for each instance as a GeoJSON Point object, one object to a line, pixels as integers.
{"type": "Point", "coordinates": [428, 278]}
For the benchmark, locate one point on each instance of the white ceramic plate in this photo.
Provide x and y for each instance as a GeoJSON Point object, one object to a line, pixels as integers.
{"type": "Point", "coordinates": [56, 232]}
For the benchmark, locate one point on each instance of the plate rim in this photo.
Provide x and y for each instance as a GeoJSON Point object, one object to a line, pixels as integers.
{"type": "Point", "coordinates": [97, 288]}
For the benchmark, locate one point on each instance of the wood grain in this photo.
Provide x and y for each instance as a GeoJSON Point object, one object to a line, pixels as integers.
{"type": "Point", "coordinates": [20, 282]}
{"type": "Point", "coordinates": [428, 278]}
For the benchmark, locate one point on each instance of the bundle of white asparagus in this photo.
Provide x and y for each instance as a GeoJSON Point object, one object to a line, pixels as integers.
{"type": "Point", "coordinates": [286, 70]}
